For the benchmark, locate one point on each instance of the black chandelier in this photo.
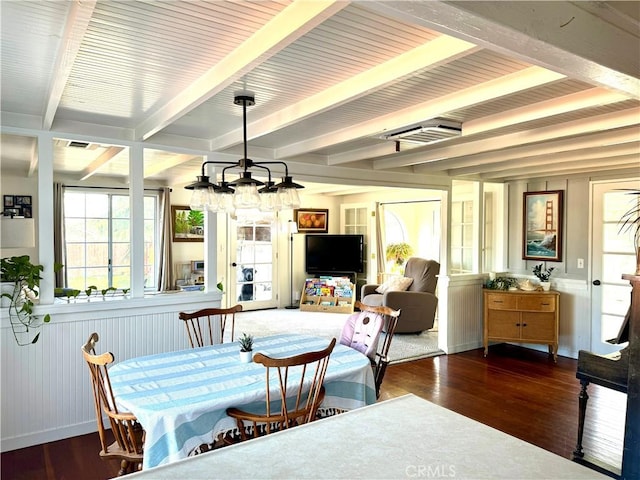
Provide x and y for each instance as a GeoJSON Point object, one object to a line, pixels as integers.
{"type": "Point", "coordinates": [243, 193]}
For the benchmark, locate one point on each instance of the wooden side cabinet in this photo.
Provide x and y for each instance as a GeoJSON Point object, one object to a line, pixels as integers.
{"type": "Point", "coordinates": [522, 317]}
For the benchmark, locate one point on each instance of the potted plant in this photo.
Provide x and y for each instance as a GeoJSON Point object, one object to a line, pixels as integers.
{"type": "Point", "coordinates": [246, 348]}
{"type": "Point", "coordinates": [25, 278]}
{"type": "Point", "coordinates": [501, 283]}
{"type": "Point", "coordinates": [543, 275]}
{"type": "Point", "coordinates": [398, 253]}
{"type": "Point", "coordinates": [630, 222]}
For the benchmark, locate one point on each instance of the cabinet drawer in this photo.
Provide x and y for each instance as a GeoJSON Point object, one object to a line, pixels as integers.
{"type": "Point", "coordinates": [496, 301]}
{"type": "Point", "coordinates": [537, 303]}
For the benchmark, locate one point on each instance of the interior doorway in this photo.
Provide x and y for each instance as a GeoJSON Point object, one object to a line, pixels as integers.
{"type": "Point", "coordinates": [252, 247]}
{"type": "Point", "coordinates": [613, 255]}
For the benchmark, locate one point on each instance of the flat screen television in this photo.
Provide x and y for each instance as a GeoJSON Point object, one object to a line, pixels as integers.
{"type": "Point", "coordinates": [326, 254]}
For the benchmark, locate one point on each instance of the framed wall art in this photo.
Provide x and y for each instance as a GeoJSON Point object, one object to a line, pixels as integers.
{"type": "Point", "coordinates": [17, 205]}
{"type": "Point", "coordinates": [542, 225]}
{"type": "Point", "coordinates": [188, 225]}
{"type": "Point", "coordinates": [311, 220]}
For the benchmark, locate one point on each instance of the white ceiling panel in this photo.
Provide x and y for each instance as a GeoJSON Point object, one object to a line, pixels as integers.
{"type": "Point", "coordinates": [328, 78]}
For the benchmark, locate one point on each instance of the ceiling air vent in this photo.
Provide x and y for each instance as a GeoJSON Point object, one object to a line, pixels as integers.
{"type": "Point", "coordinates": [76, 144]}
{"type": "Point", "coordinates": [429, 131]}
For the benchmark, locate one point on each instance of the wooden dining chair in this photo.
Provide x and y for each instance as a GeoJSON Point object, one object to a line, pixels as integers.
{"type": "Point", "coordinates": [200, 324]}
{"type": "Point", "coordinates": [388, 317]}
{"type": "Point", "coordinates": [294, 400]}
{"type": "Point", "coordinates": [128, 433]}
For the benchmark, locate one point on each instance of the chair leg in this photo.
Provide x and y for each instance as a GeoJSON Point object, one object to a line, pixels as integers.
{"type": "Point", "coordinates": [583, 397]}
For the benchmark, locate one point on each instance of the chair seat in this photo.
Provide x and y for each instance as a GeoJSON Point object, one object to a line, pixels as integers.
{"type": "Point", "coordinates": [114, 451]}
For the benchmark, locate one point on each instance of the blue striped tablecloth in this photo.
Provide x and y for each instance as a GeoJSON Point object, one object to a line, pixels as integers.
{"type": "Point", "coordinates": [180, 398]}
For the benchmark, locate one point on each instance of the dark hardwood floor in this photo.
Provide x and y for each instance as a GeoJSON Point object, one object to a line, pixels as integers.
{"type": "Point", "coordinates": [515, 390]}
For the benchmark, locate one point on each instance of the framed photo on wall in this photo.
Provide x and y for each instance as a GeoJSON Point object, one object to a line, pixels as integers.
{"type": "Point", "coordinates": [542, 225]}
{"type": "Point", "coordinates": [311, 220]}
{"type": "Point", "coordinates": [187, 224]}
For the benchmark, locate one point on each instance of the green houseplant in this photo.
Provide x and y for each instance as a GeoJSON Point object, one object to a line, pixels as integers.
{"type": "Point", "coordinates": [246, 348]}
{"type": "Point", "coordinates": [25, 277]}
{"type": "Point", "coordinates": [398, 253]}
{"type": "Point", "coordinates": [543, 275]}
{"type": "Point", "coordinates": [630, 222]}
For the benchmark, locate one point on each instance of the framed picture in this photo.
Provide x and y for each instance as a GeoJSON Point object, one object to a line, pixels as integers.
{"type": "Point", "coordinates": [8, 201]}
{"type": "Point", "coordinates": [188, 225]}
{"type": "Point", "coordinates": [542, 226]}
{"type": "Point", "coordinates": [311, 220]}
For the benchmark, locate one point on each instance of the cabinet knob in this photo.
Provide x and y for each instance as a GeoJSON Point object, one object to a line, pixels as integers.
{"type": "Point", "coordinates": [517, 324]}
{"type": "Point", "coordinates": [524, 324]}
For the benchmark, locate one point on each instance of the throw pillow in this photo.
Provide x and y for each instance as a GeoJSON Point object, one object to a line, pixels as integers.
{"type": "Point", "coordinates": [395, 284]}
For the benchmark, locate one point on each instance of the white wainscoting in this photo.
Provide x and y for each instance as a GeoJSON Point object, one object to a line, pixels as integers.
{"type": "Point", "coordinates": [460, 314]}
{"type": "Point", "coordinates": [45, 390]}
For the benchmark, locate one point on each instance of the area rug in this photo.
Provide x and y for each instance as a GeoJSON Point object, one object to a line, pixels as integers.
{"type": "Point", "coordinates": [405, 347]}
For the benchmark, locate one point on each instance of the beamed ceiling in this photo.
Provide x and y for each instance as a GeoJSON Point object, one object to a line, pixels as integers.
{"type": "Point", "coordinates": [539, 89]}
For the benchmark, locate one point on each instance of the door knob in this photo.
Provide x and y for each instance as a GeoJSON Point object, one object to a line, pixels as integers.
{"type": "Point", "coordinates": [596, 282]}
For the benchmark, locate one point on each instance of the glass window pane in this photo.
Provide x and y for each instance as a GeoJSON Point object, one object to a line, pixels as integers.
{"type": "Point", "coordinates": [75, 255]}
{"type": "Point", "coordinates": [615, 242]}
{"type": "Point", "coordinates": [121, 277]}
{"type": "Point", "coordinates": [263, 291]}
{"type": "Point", "coordinates": [467, 261]}
{"type": "Point", "coordinates": [616, 204]}
{"type": "Point", "coordinates": [121, 230]}
{"type": "Point", "coordinates": [468, 212]}
{"type": "Point", "coordinates": [74, 204]}
{"type": "Point", "coordinates": [615, 265]}
{"type": "Point", "coordinates": [98, 277]}
{"type": "Point", "coordinates": [98, 205]}
{"type": "Point", "coordinates": [456, 236]}
{"type": "Point", "coordinates": [150, 208]}
{"type": "Point", "coordinates": [120, 206]}
{"type": "Point", "coordinates": [74, 230]}
{"type": "Point", "coordinates": [456, 212]}
{"type": "Point", "coordinates": [263, 272]}
{"type": "Point", "coordinates": [97, 254]}
{"type": "Point", "coordinates": [350, 216]}
{"type": "Point", "coordinates": [121, 254]}
{"type": "Point", "coordinates": [467, 239]}
{"type": "Point", "coordinates": [264, 253]}
{"type": "Point", "coordinates": [263, 234]}
{"type": "Point", "coordinates": [97, 230]}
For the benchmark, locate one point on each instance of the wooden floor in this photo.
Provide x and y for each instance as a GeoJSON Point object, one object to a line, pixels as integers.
{"type": "Point", "coordinates": [515, 390]}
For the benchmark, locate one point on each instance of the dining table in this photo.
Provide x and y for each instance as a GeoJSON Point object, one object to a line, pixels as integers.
{"type": "Point", "coordinates": [180, 398]}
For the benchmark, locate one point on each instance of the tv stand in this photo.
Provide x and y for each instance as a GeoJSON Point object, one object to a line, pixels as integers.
{"type": "Point", "coordinates": [328, 293]}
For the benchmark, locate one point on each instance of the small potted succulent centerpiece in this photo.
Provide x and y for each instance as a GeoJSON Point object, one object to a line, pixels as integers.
{"type": "Point", "coordinates": [246, 348]}
{"type": "Point", "coordinates": [543, 276]}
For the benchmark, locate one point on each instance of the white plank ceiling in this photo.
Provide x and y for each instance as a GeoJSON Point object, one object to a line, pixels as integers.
{"type": "Point", "coordinates": [539, 88]}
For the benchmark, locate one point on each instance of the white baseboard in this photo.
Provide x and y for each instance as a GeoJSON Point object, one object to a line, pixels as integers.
{"type": "Point", "coordinates": [37, 438]}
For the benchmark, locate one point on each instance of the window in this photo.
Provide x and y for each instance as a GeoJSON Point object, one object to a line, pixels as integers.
{"type": "Point", "coordinates": [97, 239]}
{"type": "Point", "coordinates": [462, 246]}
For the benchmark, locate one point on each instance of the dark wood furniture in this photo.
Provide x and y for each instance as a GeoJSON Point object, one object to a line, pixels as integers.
{"type": "Point", "coordinates": [522, 317]}
{"type": "Point", "coordinates": [619, 371]}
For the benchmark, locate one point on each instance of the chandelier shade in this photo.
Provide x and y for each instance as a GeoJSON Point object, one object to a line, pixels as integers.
{"type": "Point", "coordinates": [245, 192]}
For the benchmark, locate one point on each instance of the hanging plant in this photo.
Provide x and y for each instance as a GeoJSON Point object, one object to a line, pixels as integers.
{"type": "Point", "coordinates": [398, 252]}
{"type": "Point", "coordinates": [25, 277]}
{"type": "Point", "coordinates": [630, 222]}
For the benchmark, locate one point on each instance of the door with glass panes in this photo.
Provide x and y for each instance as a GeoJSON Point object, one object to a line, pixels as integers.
{"type": "Point", "coordinates": [253, 259]}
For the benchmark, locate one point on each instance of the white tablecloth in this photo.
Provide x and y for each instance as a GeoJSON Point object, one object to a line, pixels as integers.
{"type": "Point", "coordinates": [180, 398]}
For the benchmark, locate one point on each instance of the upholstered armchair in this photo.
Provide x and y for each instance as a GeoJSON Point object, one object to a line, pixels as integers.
{"type": "Point", "coordinates": [417, 301]}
